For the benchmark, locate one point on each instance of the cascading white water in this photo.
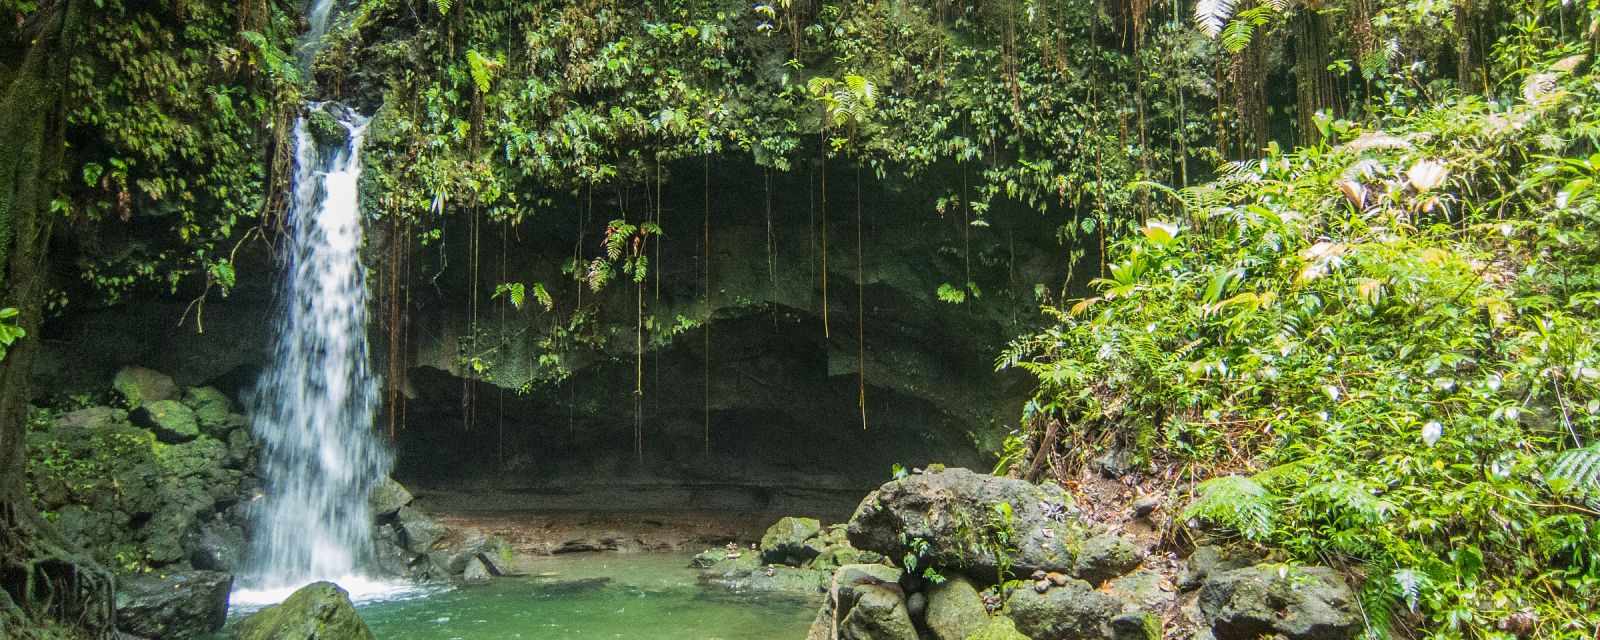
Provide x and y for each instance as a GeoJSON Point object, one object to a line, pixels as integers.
{"type": "Point", "coordinates": [314, 407]}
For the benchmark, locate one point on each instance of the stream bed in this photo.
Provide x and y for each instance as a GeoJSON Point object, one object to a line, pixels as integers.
{"type": "Point", "coordinates": [642, 596]}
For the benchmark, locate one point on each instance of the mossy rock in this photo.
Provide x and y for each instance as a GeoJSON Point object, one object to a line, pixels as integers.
{"type": "Point", "coordinates": [999, 628]}
{"type": "Point", "coordinates": [955, 611]}
{"type": "Point", "coordinates": [170, 420]}
{"type": "Point", "coordinates": [785, 541]}
{"type": "Point", "coordinates": [138, 386]}
{"type": "Point", "coordinates": [211, 408]}
{"type": "Point", "coordinates": [318, 611]}
{"type": "Point", "coordinates": [326, 130]}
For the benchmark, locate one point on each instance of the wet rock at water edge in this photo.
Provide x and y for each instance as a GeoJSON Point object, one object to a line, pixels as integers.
{"type": "Point", "coordinates": [418, 532]}
{"type": "Point", "coordinates": [215, 545]}
{"type": "Point", "coordinates": [171, 421]}
{"type": "Point", "coordinates": [955, 611]}
{"type": "Point", "coordinates": [139, 386]}
{"type": "Point", "coordinates": [1299, 603]}
{"type": "Point", "coordinates": [387, 497]}
{"type": "Point", "coordinates": [318, 611]}
{"type": "Point", "coordinates": [785, 541]}
{"type": "Point", "coordinates": [952, 510]}
{"type": "Point", "coordinates": [475, 572]}
{"type": "Point", "coordinates": [173, 606]}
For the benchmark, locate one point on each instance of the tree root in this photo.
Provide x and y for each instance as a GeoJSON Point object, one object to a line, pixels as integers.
{"type": "Point", "coordinates": [42, 581]}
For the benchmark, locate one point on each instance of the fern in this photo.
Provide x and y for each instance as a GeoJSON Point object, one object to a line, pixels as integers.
{"type": "Point", "coordinates": [1211, 15]}
{"type": "Point", "coordinates": [443, 6]}
{"type": "Point", "coordinates": [1578, 468]}
{"type": "Point", "coordinates": [1238, 503]}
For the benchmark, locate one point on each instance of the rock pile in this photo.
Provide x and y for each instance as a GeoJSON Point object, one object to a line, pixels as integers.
{"type": "Point", "coordinates": [987, 558]}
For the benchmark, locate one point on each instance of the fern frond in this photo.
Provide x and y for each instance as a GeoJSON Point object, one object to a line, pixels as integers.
{"type": "Point", "coordinates": [443, 6]}
{"type": "Point", "coordinates": [1580, 468]}
{"type": "Point", "coordinates": [1238, 503]}
{"type": "Point", "coordinates": [1211, 15]}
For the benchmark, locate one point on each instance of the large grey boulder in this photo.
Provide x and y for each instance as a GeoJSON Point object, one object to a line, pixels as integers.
{"type": "Point", "coordinates": [318, 611]}
{"type": "Point", "coordinates": [1074, 611]}
{"type": "Point", "coordinates": [1299, 603]}
{"type": "Point", "coordinates": [785, 541]}
{"type": "Point", "coordinates": [139, 386]}
{"type": "Point", "coordinates": [173, 606]}
{"type": "Point", "coordinates": [955, 611]}
{"type": "Point", "coordinates": [957, 513]}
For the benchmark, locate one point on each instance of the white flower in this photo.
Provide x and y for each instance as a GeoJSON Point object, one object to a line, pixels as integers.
{"type": "Point", "coordinates": [1432, 431]}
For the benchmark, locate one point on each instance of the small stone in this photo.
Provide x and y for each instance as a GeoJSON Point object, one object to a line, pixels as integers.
{"type": "Point", "coordinates": [1143, 507]}
{"type": "Point", "coordinates": [1038, 574]}
{"type": "Point", "coordinates": [1057, 579]}
{"type": "Point", "coordinates": [1041, 586]}
{"type": "Point", "coordinates": [917, 605]}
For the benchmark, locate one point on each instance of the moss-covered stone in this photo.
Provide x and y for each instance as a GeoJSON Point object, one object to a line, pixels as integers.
{"type": "Point", "coordinates": [785, 541]}
{"type": "Point", "coordinates": [318, 611]}
{"type": "Point", "coordinates": [170, 420]}
{"type": "Point", "coordinates": [211, 409]}
{"type": "Point", "coordinates": [138, 386]}
{"type": "Point", "coordinates": [954, 610]}
{"type": "Point", "coordinates": [998, 628]}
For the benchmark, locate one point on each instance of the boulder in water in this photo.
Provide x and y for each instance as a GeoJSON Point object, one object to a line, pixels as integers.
{"type": "Point", "coordinates": [139, 386]}
{"type": "Point", "coordinates": [957, 512]}
{"type": "Point", "coordinates": [173, 606]}
{"type": "Point", "coordinates": [475, 572]}
{"type": "Point", "coordinates": [1299, 603]}
{"type": "Point", "coordinates": [171, 421]}
{"type": "Point", "coordinates": [318, 611]}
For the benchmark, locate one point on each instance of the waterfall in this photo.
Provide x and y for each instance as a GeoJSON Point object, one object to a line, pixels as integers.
{"type": "Point", "coordinates": [314, 406]}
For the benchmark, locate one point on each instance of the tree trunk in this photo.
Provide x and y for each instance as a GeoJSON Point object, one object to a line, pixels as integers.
{"type": "Point", "coordinates": [39, 577]}
{"type": "Point", "coordinates": [1314, 90]}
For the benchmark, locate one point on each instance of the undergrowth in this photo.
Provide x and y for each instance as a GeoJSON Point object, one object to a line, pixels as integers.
{"type": "Point", "coordinates": [1385, 348]}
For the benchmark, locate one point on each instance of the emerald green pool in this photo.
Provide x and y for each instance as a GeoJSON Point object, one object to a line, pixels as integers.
{"type": "Point", "coordinates": [647, 596]}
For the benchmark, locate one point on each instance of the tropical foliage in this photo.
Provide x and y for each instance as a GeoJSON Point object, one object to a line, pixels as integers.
{"type": "Point", "coordinates": [1383, 350]}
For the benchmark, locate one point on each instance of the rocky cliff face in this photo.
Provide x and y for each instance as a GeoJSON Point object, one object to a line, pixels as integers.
{"type": "Point", "coordinates": [544, 401]}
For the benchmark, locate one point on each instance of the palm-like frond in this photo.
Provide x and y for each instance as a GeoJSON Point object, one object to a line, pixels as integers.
{"type": "Point", "coordinates": [1211, 15]}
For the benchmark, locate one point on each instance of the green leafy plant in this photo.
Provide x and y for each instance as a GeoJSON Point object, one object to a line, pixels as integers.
{"type": "Point", "coordinates": [10, 333]}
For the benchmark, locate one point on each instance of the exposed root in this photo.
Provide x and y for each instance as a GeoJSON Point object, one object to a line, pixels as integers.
{"type": "Point", "coordinates": [42, 582]}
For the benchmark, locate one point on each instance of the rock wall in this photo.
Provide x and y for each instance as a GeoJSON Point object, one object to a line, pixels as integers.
{"type": "Point", "coordinates": [536, 402]}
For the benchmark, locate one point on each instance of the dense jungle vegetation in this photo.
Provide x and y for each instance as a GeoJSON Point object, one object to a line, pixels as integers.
{"type": "Point", "coordinates": [1343, 254]}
